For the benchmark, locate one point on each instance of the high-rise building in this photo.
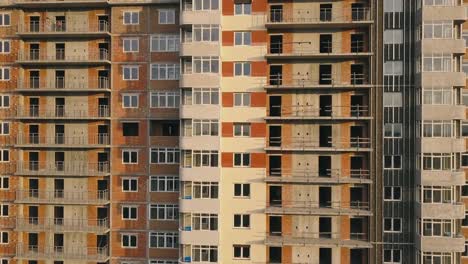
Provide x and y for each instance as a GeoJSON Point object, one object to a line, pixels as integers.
{"type": "Point", "coordinates": [234, 131]}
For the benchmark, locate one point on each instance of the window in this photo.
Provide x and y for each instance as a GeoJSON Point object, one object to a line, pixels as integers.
{"type": "Point", "coordinates": [131, 18]}
{"type": "Point", "coordinates": [4, 73]}
{"type": "Point", "coordinates": [205, 96]}
{"type": "Point", "coordinates": [205, 190]}
{"type": "Point", "coordinates": [4, 128]}
{"type": "Point", "coordinates": [130, 100]}
{"type": "Point", "coordinates": [205, 127]}
{"type": "Point", "coordinates": [437, 194]}
{"type": "Point", "coordinates": [242, 8]}
{"type": "Point", "coordinates": [164, 156]}
{"type": "Point", "coordinates": [242, 190]}
{"type": "Point", "coordinates": [241, 220]}
{"type": "Point", "coordinates": [205, 33]}
{"type": "Point", "coordinates": [129, 212]}
{"type": "Point", "coordinates": [392, 225]}
{"type": "Point", "coordinates": [129, 241]}
{"type": "Point", "coordinates": [241, 159]}
{"type": "Point", "coordinates": [4, 101]}
{"type": "Point", "coordinates": [4, 210]}
{"type": "Point", "coordinates": [242, 69]}
{"type": "Point", "coordinates": [241, 130]}
{"type": "Point", "coordinates": [165, 43]}
{"type": "Point", "coordinates": [438, 29]}
{"type": "Point", "coordinates": [393, 99]}
{"type": "Point", "coordinates": [130, 45]}
{"type": "Point", "coordinates": [392, 193]}
{"type": "Point", "coordinates": [4, 237]}
{"type": "Point", "coordinates": [165, 71]}
{"type": "Point", "coordinates": [241, 99]}
{"type": "Point", "coordinates": [436, 227]}
{"type": "Point", "coordinates": [204, 222]}
{"type": "Point", "coordinates": [464, 129]}
{"type": "Point", "coordinates": [154, 261]}
{"type": "Point", "coordinates": [164, 240]}
{"type": "Point", "coordinates": [5, 19]}
{"type": "Point", "coordinates": [206, 64]}
{"type": "Point", "coordinates": [5, 46]}
{"type": "Point", "coordinates": [438, 3]}
{"type": "Point", "coordinates": [241, 252]}
{"type": "Point", "coordinates": [437, 96]}
{"type": "Point", "coordinates": [437, 161]}
{"type": "Point", "coordinates": [392, 162]}
{"type": "Point", "coordinates": [166, 16]}
{"type": "Point", "coordinates": [4, 182]}
{"type": "Point", "coordinates": [164, 212]}
{"type": "Point", "coordinates": [242, 38]}
{"type": "Point", "coordinates": [392, 256]}
{"type": "Point", "coordinates": [4, 155]}
{"type": "Point", "coordinates": [437, 128]}
{"type": "Point", "coordinates": [4, 261]}
{"type": "Point", "coordinates": [130, 73]}
{"type": "Point", "coordinates": [129, 185]}
{"type": "Point", "coordinates": [165, 99]}
{"type": "Point", "coordinates": [130, 129]}
{"type": "Point", "coordinates": [437, 63]}
{"type": "Point", "coordinates": [393, 130]}
{"type": "Point", "coordinates": [200, 158]}
{"type": "Point", "coordinates": [204, 253]}
{"type": "Point", "coordinates": [205, 5]}
{"type": "Point", "coordinates": [464, 159]}
{"type": "Point", "coordinates": [129, 156]}
{"type": "Point", "coordinates": [164, 184]}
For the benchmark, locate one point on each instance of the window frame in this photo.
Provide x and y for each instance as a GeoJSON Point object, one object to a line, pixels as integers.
{"type": "Point", "coordinates": [131, 45]}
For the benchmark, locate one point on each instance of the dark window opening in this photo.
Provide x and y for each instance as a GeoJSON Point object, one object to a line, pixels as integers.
{"type": "Point", "coordinates": [130, 129]}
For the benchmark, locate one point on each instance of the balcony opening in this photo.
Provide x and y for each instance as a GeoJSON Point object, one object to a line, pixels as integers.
{"type": "Point", "coordinates": [33, 160]}
{"type": "Point", "coordinates": [276, 74]}
{"type": "Point", "coordinates": [275, 195]}
{"type": "Point", "coordinates": [325, 74]}
{"type": "Point", "coordinates": [358, 12]}
{"type": "Point", "coordinates": [59, 79]}
{"type": "Point", "coordinates": [325, 256]}
{"type": "Point", "coordinates": [357, 165]}
{"type": "Point", "coordinates": [103, 107]}
{"type": "Point", "coordinates": [58, 243]}
{"type": "Point", "coordinates": [34, 51]}
{"type": "Point", "coordinates": [60, 161]}
{"type": "Point", "coordinates": [357, 137]}
{"type": "Point", "coordinates": [325, 102]}
{"type": "Point", "coordinates": [166, 128]}
{"type": "Point", "coordinates": [325, 196]}
{"type": "Point", "coordinates": [276, 44]}
{"type": "Point", "coordinates": [103, 79]}
{"type": "Point", "coordinates": [357, 197]}
{"type": "Point", "coordinates": [274, 139]}
{"type": "Point", "coordinates": [324, 166]}
{"type": "Point", "coordinates": [103, 134]}
{"type": "Point", "coordinates": [358, 256]}
{"type": "Point", "coordinates": [60, 51]}
{"type": "Point", "coordinates": [59, 187]}
{"type": "Point", "coordinates": [103, 160]}
{"type": "Point", "coordinates": [33, 241]}
{"type": "Point", "coordinates": [275, 255]}
{"type": "Point", "coordinates": [275, 105]}
{"type": "Point", "coordinates": [325, 134]}
{"type": "Point", "coordinates": [102, 213]}
{"type": "Point", "coordinates": [275, 225]}
{"type": "Point", "coordinates": [33, 188]}
{"type": "Point", "coordinates": [103, 23]}
{"type": "Point", "coordinates": [276, 13]}
{"type": "Point", "coordinates": [357, 74]}
{"type": "Point", "coordinates": [325, 227]}
{"type": "Point", "coordinates": [326, 12]}
{"type": "Point", "coordinates": [275, 165]}
{"type": "Point", "coordinates": [34, 80]}
{"type": "Point", "coordinates": [58, 215]}
{"type": "Point", "coordinates": [357, 228]}
{"type": "Point", "coordinates": [33, 134]}
{"type": "Point", "coordinates": [130, 129]}
{"type": "Point", "coordinates": [60, 24]}
{"type": "Point", "coordinates": [102, 189]}
{"type": "Point", "coordinates": [357, 42]}
{"type": "Point", "coordinates": [60, 107]}
{"type": "Point", "coordinates": [101, 241]}
{"type": "Point", "coordinates": [34, 107]}
{"type": "Point", "coordinates": [34, 23]}
{"type": "Point", "coordinates": [103, 51]}
{"type": "Point", "coordinates": [357, 106]}
{"type": "Point", "coordinates": [59, 134]}
{"type": "Point", "coordinates": [33, 213]}
{"type": "Point", "coordinates": [326, 43]}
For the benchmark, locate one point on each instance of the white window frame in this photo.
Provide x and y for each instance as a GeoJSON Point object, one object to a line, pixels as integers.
{"type": "Point", "coordinates": [170, 212]}
{"type": "Point", "coordinates": [392, 192]}
{"type": "Point", "coordinates": [165, 100]}
{"type": "Point", "coordinates": [5, 71]}
{"type": "Point", "coordinates": [5, 101]}
{"type": "Point", "coordinates": [393, 162]}
{"type": "Point", "coordinates": [242, 68]}
{"type": "Point", "coordinates": [4, 182]}
{"type": "Point", "coordinates": [4, 128]}
{"type": "Point", "coordinates": [242, 130]}
{"type": "Point", "coordinates": [132, 182]}
{"type": "Point", "coordinates": [3, 208]}
{"type": "Point", "coordinates": [242, 248]}
{"type": "Point", "coordinates": [205, 96]}
{"type": "Point", "coordinates": [242, 190]}
{"type": "Point", "coordinates": [165, 43]}
{"type": "Point", "coordinates": [130, 208]}
{"type": "Point", "coordinates": [174, 180]}
{"type": "Point", "coordinates": [133, 44]}
{"type": "Point", "coordinates": [165, 71]}
{"type": "Point", "coordinates": [242, 99]}
{"type": "Point", "coordinates": [3, 15]}
{"type": "Point", "coordinates": [133, 100]}
{"type": "Point", "coordinates": [3, 50]}
{"type": "Point", "coordinates": [174, 236]}
{"type": "Point", "coordinates": [132, 15]}
{"type": "Point", "coordinates": [243, 223]}
{"type": "Point", "coordinates": [241, 155]}
{"type": "Point", "coordinates": [205, 64]}
{"type": "Point", "coordinates": [166, 16]}
{"type": "Point", "coordinates": [393, 220]}
{"type": "Point", "coordinates": [205, 127]}
{"type": "Point", "coordinates": [2, 242]}
{"type": "Point", "coordinates": [392, 254]}
{"type": "Point", "coordinates": [130, 236]}
{"type": "Point", "coordinates": [133, 72]}
{"type": "Point", "coordinates": [242, 9]}
{"type": "Point", "coordinates": [205, 33]}
{"type": "Point", "coordinates": [171, 155]}
{"type": "Point", "coordinates": [242, 38]}
{"type": "Point", "coordinates": [130, 151]}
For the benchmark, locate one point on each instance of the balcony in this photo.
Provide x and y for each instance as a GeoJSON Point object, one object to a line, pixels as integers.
{"type": "Point", "coordinates": [36, 57]}
{"type": "Point", "coordinates": [52, 29]}
{"type": "Point", "coordinates": [35, 224]}
{"type": "Point", "coordinates": [307, 144]}
{"type": "Point", "coordinates": [325, 81]}
{"type": "Point", "coordinates": [319, 18]}
{"type": "Point", "coordinates": [305, 176]}
{"type": "Point", "coordinates": [356, 240]}
{"type": "Point", "coordinates": [54, 3]}
{"type": "Point", "coordinates": [34, 140]}
{"type": "Point", "coordinates": [446, 210]}
{"type": "Point", "coordinates": [61, 112]}
{"type": "Point", "coordinates": [62, 197]}
{"type": "Point", "coordinates": [73, 168]}
{"type": "Point", "coordinates": [307, 50]}
{"type": "Point", "coordinates": [356, 208]}
{"type": "Point", "coordinates": [446, 243]}
{"type": "Point", "coordinates": [61, 84]}
{"type": "Point", "coordinates": [99, 254]}
{"type": "Point", "coordinates": [190, 17]}
{"type": "Point", "coordinates": [187, 204]}
{"type": "Point", "coordinates": [335, 112]}
{"type": "Point", "coordinates": [189, 236]}
{"type": "Point", "coordinates": [440, 177]}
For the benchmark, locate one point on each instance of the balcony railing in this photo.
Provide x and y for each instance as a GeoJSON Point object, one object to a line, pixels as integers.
{"type": "Point", "coordinates": [301, 237]}
{"type": "Point", "coordinates": [61, 111]}
{"type": "Point", "coordinates": [62, 26]}
{"type": "Point", "coordinates": [308, 111]}
{"type": "Point", "coordinates": [314, 175]}
{"type": "Point", "coordinates": [73, 168]}
{"type": "Point", "coordinates": [60, 139]}
{"type": "Point", "coordinates": [304, 48]}
{"type": "Point", "coordinates": [325, 16]}
{"type": "Point", "coordinates": [306, 80]}
{"type": "Point", "coordinates": [62, 224]}
{"type": "Point", "coordinates": [60, 56]}
{"type": "Point", "coordinates": [60, 252]}
{"type": "Point", "coordinates": [61, 196]}
{"type": "Point", "coordinates": [63, 83]}
{"type": "Point", "coordinates": [306, 143]}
